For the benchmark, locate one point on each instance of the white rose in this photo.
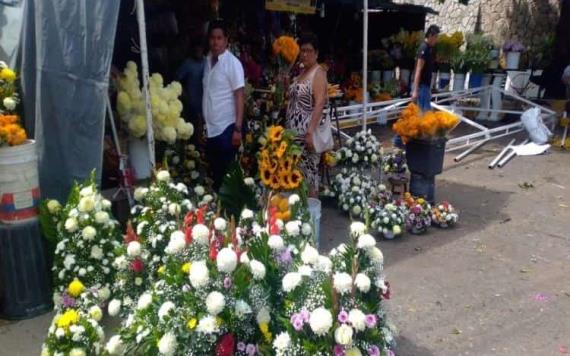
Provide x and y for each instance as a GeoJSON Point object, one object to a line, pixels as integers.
{"type": "Point", "coordinates": [321, 321]}
{"type": "Point", "coordinates": [53, 206]}
{"type": "Point", "coordinates": [96, 252]}
{"type": "Point", "coordinates": [357, 228]}
{"type": "Point", "coordinates": [201, 234]}
{"type": "Point", "coordinates": [86, 204]}
{"type": "Point", "coordinates": [257, 269]}
{"type": "Point", "coordinates": [291, 280]}
{"type": "Point", "coordinates": [226, 260]}
{"type": "Point", "coordinates": [59, 333]}
{"type": "Point", "coordinates": [140, 193]}
{"type": "Point", "coordinates": [342, 282]}
{"type": "Point", "coordinates": [207, 198]}
{"type": "Point", "coordinates": [220, 224]}
{"type": "Point", "coordinates": [199, 190]}
{"type": "Point", "coordinates": [357, 319]}
{"type": "Point", "coordinates": [89, 233]}
{"type": "Point", "coordinates": [293, 228]}
{"type": "Point", "coordinates": [249, 181]}
{"type": "Point", "coordinates": [362, 282]}
{"type": "Point", "coordinates": [167, 344]}
{"type": "Point", "coordinates": [96, 313]}
{"type": "Point", "coordinates": [366, 242]}
{"type": "Point", "coordinates": [165, 309]}
{"type": "Point", "coordinates": [71, 224]}
{"type": "Point", "coordinates": [138, 281]}
{"type": "Point", "coordinates": [199, 274]}
{"type": "Point", "coordinates": [275, 242]}
{"type": "Point", "coordinates": [101, 217]}
{"type": "Point", "coordinates": [215, 303]}
{"type": "Point", "coordinates": [134, 249]}
{"type": "Point", "coordinates": [263, 316]}
{"type": "Point", "coordinates": [306, 229]}
{"type": "Point", "coordinates": [114, 307]}
{"type": "Point", "coordinates": [144, 301]}
{"type": "Point", "coordinates": [115, 345]}
{"type": "Point", "coordinates": [343, 335]}
{"type": "Point", "coordinates": [282, 342]}
{"type": "Point", "coordinates": [163, 176]}
{"type": "Point", "coordinates": [173, 209]}
{"type": "Point", "coordinates": [294, 199]}
{"type": "Point", "coordinates": [176, 244]}
{"type": "Point", "coordinates": [310, 255]}
{"type": "Point", "coordinates": [246, 214]}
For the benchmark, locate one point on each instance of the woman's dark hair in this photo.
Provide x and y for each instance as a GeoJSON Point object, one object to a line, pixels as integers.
{"type": "Point", "coordinates": [432, 31]}
{"type": "Point", "coordinates": [309, 38]}
{"type": "Point", "coordinates": [218, 25]}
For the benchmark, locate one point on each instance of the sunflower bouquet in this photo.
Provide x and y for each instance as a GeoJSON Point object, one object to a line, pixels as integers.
{"type": "Point", "coordinates": [444, 215]}
{"type": "Point", "coordinates": [413, 124]}
{"type": "Point", "coordinates": [278, 159]}
{"type": "Point", "coordinates": [286, 47]}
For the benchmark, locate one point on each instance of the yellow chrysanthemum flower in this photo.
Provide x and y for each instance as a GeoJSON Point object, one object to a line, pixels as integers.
{"type": "Point", "coordinates": [75, 288]}
{"type": "Point", "coordinates": [186, 267]}
{"type": "Point", "coordinates": [68, 318]}
{"type": "Point", "coordinates": [191, 324]}
{"type": "Point", "coordinates": [8, 75]}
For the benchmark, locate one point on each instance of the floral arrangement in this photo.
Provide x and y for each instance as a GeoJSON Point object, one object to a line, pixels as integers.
{"type": "Point", "coordinates": [329, 158]}
{"type": "Point", "coordinates": [185, 164]}
{"type": "Point", "coordinates": [168, 126]}
{"type": "Point", "coordinates": [513, 46]}
{"type": "Point", "coordinates": [11, 133]}
{"type": "Point", "coordinates": [278, 159]}
{"type": "Point", "coordinates": [353, 190]}
{"type": "Point", "coordinates": [388, 219]}
{"type": "Point", "coordinates": [448, 47]}
{"type": "Point", "coordinates": [382, 195]}
{"type": "Point", "coordinates": [287, 48]}
{"type": "Point", "coordinates": [477, 52]}
{"type": "Point", "coordinates": [444, 215]}
{"type": "Point", "coordinates": [419, 214]}
{"type": "Point", "coordinates": [363, 151]}
{"type": "Point", "coordinates": [394, 163]}
{"type": "Point", "coordinates": [413, 124]}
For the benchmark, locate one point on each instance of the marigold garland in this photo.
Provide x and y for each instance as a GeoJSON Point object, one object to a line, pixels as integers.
{"type": "Point", "coordinates": [413, 125]}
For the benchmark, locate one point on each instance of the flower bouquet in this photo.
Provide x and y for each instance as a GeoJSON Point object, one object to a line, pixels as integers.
{"type": "Point", "coordinates": [444, 215]}
{"type": "Point", "coordinates": [413, 124]}
{"type": "Point", "coordinates": [362, 151]}
{"type": "Point", "coordinates": [394, 163]}
{"type": "Point", "coordinates": [353, 190]}
{"type": "Point", "coordinates": [389, 220]}
{"type": "Point", "coordinates": [11, 132]}
{"type": "Point", "coordinates": [419, 216]}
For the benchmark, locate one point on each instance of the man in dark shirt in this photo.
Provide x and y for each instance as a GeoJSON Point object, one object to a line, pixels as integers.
{"type": "Point", "coordinates": [421, 93]}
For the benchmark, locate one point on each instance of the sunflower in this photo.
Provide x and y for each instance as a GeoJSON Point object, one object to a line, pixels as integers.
{"type": "Point", "coordinates": [275, 133]}
{"type": "Point", "coordinates": [265, 175]}
{"type": "Point", "coordinates": [273, 165]}
{"type": "Point", "coordinates": [285, 179]}
{"type": "Point", "coordinates": [296, 178]}
{"type": "Point", "coordinates": [281, 149]}
{"type": "Point", "coordinates": [287, 164]}
{"type": "Point", "coordinates": [264, 156]}
{"type": "Point", "coordinates": [275, 182]}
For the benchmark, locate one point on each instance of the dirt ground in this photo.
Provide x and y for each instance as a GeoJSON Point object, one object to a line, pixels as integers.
{"type": "Point", "coordinates": [497, 284]}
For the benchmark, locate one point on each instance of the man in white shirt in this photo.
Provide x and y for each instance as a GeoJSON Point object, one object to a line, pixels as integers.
{"type": "Point", "coordinates": [222, 103]}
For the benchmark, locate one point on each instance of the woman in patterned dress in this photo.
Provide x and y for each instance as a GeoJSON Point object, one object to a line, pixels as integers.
{"type": "Point", "coordinates": [307, 100]}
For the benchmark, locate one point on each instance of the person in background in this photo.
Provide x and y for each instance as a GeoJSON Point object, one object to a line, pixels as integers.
{"type": "Point", "coordinates": [425, 65]}
{"type": "Point", "coordinates": [190, 75]}
{"type": "Point", "coordinates": [307, 99]}
{"type": "Point", "coordinates": [222, 103]}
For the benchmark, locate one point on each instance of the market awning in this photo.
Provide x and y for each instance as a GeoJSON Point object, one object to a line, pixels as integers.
{"type": "Point", "coordinates": [390, 6]}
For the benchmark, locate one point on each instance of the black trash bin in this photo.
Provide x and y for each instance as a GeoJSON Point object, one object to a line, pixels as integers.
{"type": "Point", "coordinates": [426, 157]}
{"type": "Point", "coordinates": [25, 288]}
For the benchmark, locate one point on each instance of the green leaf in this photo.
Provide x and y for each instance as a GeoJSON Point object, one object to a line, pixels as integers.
{"type": "Point", "coordinates": [234, 194]}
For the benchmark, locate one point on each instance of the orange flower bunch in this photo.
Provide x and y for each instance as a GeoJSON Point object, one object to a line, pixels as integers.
{"type": "Point", "coordinates": [287, 48]}
{"type": "Point", "coordinates": [278, 160]}
{"type": "Point", "coordinates": [11, 133]}
{"type": "Point", "coordinates": [355, 93]}
{"type": "Point", "coordinates": [413, 124]}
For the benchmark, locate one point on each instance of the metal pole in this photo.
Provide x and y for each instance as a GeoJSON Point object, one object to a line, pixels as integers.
{"type": "Point", "coordinates": [145, 77]}
{"type": "Point", "coordinates": [513, 153]}
{"type": "Point", "coordinates": [469, 151]}
{"type": "Point", "coordinates": [501, 154]}
{"type": "Point", "coordinates": [364, 63]}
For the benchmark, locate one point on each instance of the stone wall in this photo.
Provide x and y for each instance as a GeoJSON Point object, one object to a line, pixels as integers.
{"type": "Point", "coordinates": [529, 21]}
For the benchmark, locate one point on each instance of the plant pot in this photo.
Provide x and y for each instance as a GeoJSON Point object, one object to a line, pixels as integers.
{"type": "Point", "coordinates": [444, 79]}
{"type": "Point", "coordinates": [475, 80]}
{"type": "Point", "coordinates": [494, 59]}
{"type": "Point", "coordinates": [458, 81]}
{"type": "Point", "coordinates": [389, 235]}
{"type": "Point", "coordinates": [426, 157]}
{"type": "Point", "coordinates": [513, 60]}
{"type": "Point", "coordinates": [387, 76]}
{"type": "Point", "coordinates": [423, 186]}
{"type": "Point", "coordinates": [139, 157]}
{"type": "Point", "coordinates": [405, 76]}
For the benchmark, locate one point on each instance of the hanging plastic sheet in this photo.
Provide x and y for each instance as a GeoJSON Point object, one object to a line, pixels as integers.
{"type": "Point", "coordinates": [65, 54]}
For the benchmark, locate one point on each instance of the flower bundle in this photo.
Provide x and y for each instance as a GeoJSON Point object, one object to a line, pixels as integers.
{"type": "Point", "coordinates": [394, 163]}
{"type": "Point", "coordinates": [363, 151]}
{"type": "Point", "coordinates": [168, 126]}
{"type": "Point", "coordinates": [413, 124]}
{"type": "Point", "coordinates": [353, 191]}
{"type": "Point", "coordinates": [444, 215]}
{"type": "Point", "coordinates": [419, 215]}
{"type": "Point", "coordinates": [278, 159]}
{"type": "Point", "coordinates": [11, 133]}
{"type": "Point", "coordinates": [286, 48]}
{"type": "Point", "coordinates": [448, 46]}
{"type": "Point", "coordinates": [8, 93]}
{"type": "Point", "coordinates": [185, 164]}
{"type": "Point", "coordinates": [513, 46]}
{"type": "Point", "coordinates": [389, 219]}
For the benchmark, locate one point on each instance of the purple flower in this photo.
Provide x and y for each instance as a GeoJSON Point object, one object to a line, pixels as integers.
{"type": "Point", "coordinates": [250, 349]}
{"type": "Point", "coordinates": [371, 320]}
{"type": "Point", "coordinates": [305, 315]}
{"type": "Point", "coordinates": [285, 256]}
{"type": "Point", "coordinates": [373, 351]}
{"type": "Point", "coordinates": [343, 316]}
{"type": "Point", "coordinates": [338, 350]}
{"type": "Point", "coordinates": [241, 346]}
{"type": "Point", "coordinates": [390, 353]}
{"type": "Point", "coordinates": [68, 302]}
{"type": "Point", "coordinates": [298, 323]}
{"type": "Point", "coordinates": [227, 282]}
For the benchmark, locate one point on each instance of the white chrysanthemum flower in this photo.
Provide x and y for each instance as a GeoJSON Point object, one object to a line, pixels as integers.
{"type": "Point", "coordinates": [294, 199]}
{"type": "Point", "coordinates": [263, 316]}
{"type": "Point", "coordinates": [86, 204]}
{"type": "Point", "coordinates": [343, 335]}
{"type": "Point", "coordinates": [164, 309]}
{"type": "Point", "coordinates": [174, 209]}
{"type": "Point", "coordinates": [357, 319]}
{"type": "Point", "coordinates": [242, 308]}
{"type": "Point", "coordinates": [86, 191]}
{"type": "Point", "coordinates": [96, 313]}
{"type": "Point", "coordinates": [199, 190]}
{"type": "Point", "coordinates": [321, 321]}
{"type": "Point", "coordinates": [96, 252]}
{"type": "Point", "coordinates": [310, 255]}
{"type": "Point", "coordinates": [201, 234]}
{"type": "Point", "coordinates": [282, 342]}
{"type": "Point", "coordinates": [207, 325]}
{"type": "Point", "coordinates": [71, 225]}
{"type": "Point", "coordinates": [176, 243]}
{"type": "Point", "coordinates": [89, 233]}
{"type": "Point", "coordinates": [215, 303]}
{"type": "Point", "coordinates": [115, 345]}
{"type": "Point", "coordinates": [362, 282]}
{"type": "Point", "coordinates": [102, 217]}
{"type": "Point", "coordinates": [324, 264]}
{"type": "Point", "coordinates": [77, 352]}
{"type": "Point", "coordinates": [140, 193]}
{"type": "Point", "coordinates": [396, 230]}
{"type": "Point", "coordinates": [226, 260]}
{"type": "Point", "coordinates": [53, 206]}
{"type": "Point", "coordinates": [220, 224]}
{"type": "Point", "coordinates": [291, 280]}
{"type": "Point", "coordinates": [199, 274]}
{"type": "Point", "coordinates": [167, 344]}
{"type": "Point", "coordinates": [306, 229]}
{"type": "Point", "coordinates": [356, 210]}
{"type": "Point", "coordinates": [366, 242]}
{"type": "Point", "coordinates": [375, 255]}
{"type": "Point", "coordinates": [246, 214]}
{"type": "Point", "coordinates": [275, 242]}
{"type": "Point", "coordinates": [249, 181]}
{"type": "Point", "coordinates": [134, 249]}
{"type": "Point", "coordinates": [305, 270]}
{"type": "Point", "coordinates": [144, 301]}
{"type": "Point", "coordinates": [257, 269]}
{"type": "Point", "coordinates": [114, 307]}
{"type": "Point", "coordinates": [342, 282]}
{"type": "Point", "coordinates": [59, 333]}
{"type": "Point", "coordinates": [163, 176]}
{"type": "Point", "coordinates": [106, 204]}
{"type": "Point", "coordinates": [293, 228]}
{"type": "Point", "coordinates": [357, 228]}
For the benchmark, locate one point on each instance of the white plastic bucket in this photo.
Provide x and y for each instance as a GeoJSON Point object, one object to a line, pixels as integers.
{"type": "Point", "coordinates": [139, 157]}
{"type": "Point", "coordinates": [458, 81]}
{"type": "Point", "coordinates": [513, 59]}
{"type": "Point", "coordinates": [315, 211]}
{"type": "Point", "coordinates": [19, 183]}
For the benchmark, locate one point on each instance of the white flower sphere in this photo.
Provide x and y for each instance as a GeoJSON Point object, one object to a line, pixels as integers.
{"type": "Point", "coordinates": [291, 280]}
{"type": "Point", "coordinates": [115, 345]}
{"type": "Point", "coordinates": [294, 199]}
{"type": "Point", "coordinates": [357, 319]}
{"type": "Point", "coordinates": [396, 229]}
{"type": "Point", "coordinates": [201, 234]}
{"type": "Point", "coordinates": [226, 260]}
{"type": "Point", "coordinates": [89, 233]}
{"type": "Point", "coordinates": [96, 313]}
{"type": "Point", "coordinates": [343, 335]}
{"type": "Point", "coordinates": [282, 342]}
{"type": "Point", "coordinates": [357, 228]}
{"type": "Point", "coordinates": [76, 352]}
{"type": "Point", "coordinates": [353, 352]}
{"type": "Point", "coordinates": [310, 255]}
{"type": "Point", "coordinates": [275, 242]}
{"type": "Point", "coordinates": [249, 181]}
{"type": "Point", "coordinates": [140, 193]}
{"type": "Point", "coordinates": [321, 321]}
{"type": "Point", "coordinates": [199, 190]}
{"type": "Point", "coordinates": [86, 204]}
{"type": "Point", "coordinates": [376, 255]}
{"type": "Point", "coordinates": [176, 243]}
{"type": "Point", "coordinates": [324, 264]}
{"type": "Point", "coordinates": [356, 210]}
{"type": "Point", "coordinates": [257, 269]}
{"type": "Point", "coordinates": [163, 176]}
{"type": "Point", "coordinates": [134, 249]}
{"type": "Point", "coordinates": [167, 344]}
{"type": "Point", "coordinates": [342, 282]}
{"type": "Point", "coordinates": [174, 209]}
{"type": "Point", "coordinates": [106, 204]}
{"type": "Point", "coordinates": [164, 309]}
{"type": "Point", "coordinates": [246, 214]}
{"type": "Point", "coordinates": [96, 252]}
{"type": "Point", "coordinates": [114, 307]}
{"type": "Point", "coordinates": [366, 242]}
{"type": "Point", "coordinates": [263, 316]}
{"type": "Point", "coordinates": [244, 258]}
{"type": "Point", "coordinates": [199, 274]}
{"type": "Point", "coordinates": [53, 206]}
{"type": "Point", "coordinates": [207, 325]}
{"type": "Point", "coordinates": [144, 301]}
{"type": "Point", "coordinates": [102, 217]}
{"type": "Point", "coordinates": [215, 303]}
{"type": "Point", "coordinates": [220, 224]}
{"type": "Point", "coordinates": [71, 225]}
{"type": "Point", "coordinates": [306, 229]}
{"type": "Point", "coordinates": [293, 228]}
{"type": "Point", "coordinates": [362, 282]}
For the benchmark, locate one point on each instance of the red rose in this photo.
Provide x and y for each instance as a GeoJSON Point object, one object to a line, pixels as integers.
{"type": "Point", "coordinates": [225, 346]}
{"type": "Point", "coordinates": [137, 265]}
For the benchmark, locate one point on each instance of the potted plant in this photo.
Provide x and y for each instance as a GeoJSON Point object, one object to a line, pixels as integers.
{"type": "Point", "coordinates": [458, 68]}
{"type": "Point", "coordinates": [409, 42]}
{"type": "Point", "coordinates": [512, 50]}
{"type": "Point", "coordinates": [447, 47]}
{"type": "Point", "coordinates": [477, 57]}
